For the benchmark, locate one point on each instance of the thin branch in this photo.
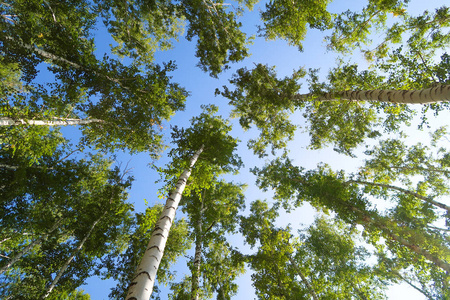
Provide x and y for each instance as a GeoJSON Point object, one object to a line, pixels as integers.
{"type": "Point", "coordinates": [53, 13]}
{"type": "Point", "coordinates": [426, 66]}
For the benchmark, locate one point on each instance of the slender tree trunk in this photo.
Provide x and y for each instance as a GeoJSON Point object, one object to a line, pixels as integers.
{"type": "Point", "coordinates": [366, 219]}
{"type": "Point", "coordinates": [195, 281]}
{"type": "Point", "coordinates": [44, 53]}
{"type": "Point", "coordinates": [5, 121]}
{"type": "Point", "coordinates": [34, 243]}
{"type": "Point", "coordinates": [425, 293]}
{"type": "Point", "coordinates": [141, 287]}
{"type": "Point", "coordinates": [303, 277]}
{"type": "Point", "coordinates": [415, 168]}
{"type": "Point", "coordinates": [435, 94]}
{"type": "Point", "coordinates": [360, 293]}
{"type": "Point", "coordinates": [66, 265]}
{"type": "Point", "coordinates": [391, 187]}
{"type": "Point", "coordinates": [55, 58]}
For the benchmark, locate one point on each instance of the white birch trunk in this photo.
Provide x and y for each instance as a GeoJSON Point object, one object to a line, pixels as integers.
{"type": "Point", "coordinates": [25, 250]}
{"type": "Point", "coordinates": [54, 58]}
{"type": "Point", "coordinates": [5, 121]}
{"type": "Point", "coordinates": [141, 287]}
{"type": "Point", "coordinates": [439, 93]}
{"type": "Point", "coordinates": [387, 186]}
{"type": "Point", "coordinates": [195, 282]}
{"type": "Point", "coordinates": [66, 265]}
{"type": "Point", "coordinates": [366, 219]}
{"type": "Point", "coordinates": [304, 279]}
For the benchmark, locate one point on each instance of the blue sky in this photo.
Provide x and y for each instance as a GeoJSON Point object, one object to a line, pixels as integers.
{"type": "Point", "coordinates": [202, 89]}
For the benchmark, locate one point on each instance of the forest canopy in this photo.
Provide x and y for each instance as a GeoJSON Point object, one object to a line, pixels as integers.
{"type": "Point", "coordinates": [212, 106]}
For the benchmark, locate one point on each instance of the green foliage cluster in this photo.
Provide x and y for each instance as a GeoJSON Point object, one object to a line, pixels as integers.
{"type": "Point", "coordinates": [412, 179]}
{"type": "Point", "coordinates": [58, 211]}
{"type": "Point", "coordinates": [65, 215]}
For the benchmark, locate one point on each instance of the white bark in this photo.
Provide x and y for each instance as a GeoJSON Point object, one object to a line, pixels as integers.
{"type": "Point", "coordinates": [195, 283]}
{"type": "Point", "coordinates": [439, 93]}
{"type": "Point", "coordinates": [417, 195]}
{"type": "Point", "coordinates": [141, 287]}
{"type": "Point", "coordinates": [54, 58]}
{"type": "Point", "coordinates": [25, 250]}
{"type": "Point", "coordinates": [66, 265]}
{"type": "Point", "coordinates": [44, 53]}
{"type": "Point", "coordinates": [5, 121]}
{"type": "Point", "coordinates": [304, 279]}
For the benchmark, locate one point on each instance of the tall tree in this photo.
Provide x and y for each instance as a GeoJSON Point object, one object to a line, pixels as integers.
{"type": "Point", "coordinates": [121, 264]}
{"type": "Point", "coordinates": [128, 101]}
{"type": "Point", "coordinates": [407, 226]}
{"type": "Point", "coordinates": [336, 111]}
{"type": "Point", "coordinates": [47, 211]}
{"type": "Point", "coordinates": [321, 263]}
{"type": "Point", "coordinates": [212, 214]}
{"type": "Point", "coordinates": [208, 136]}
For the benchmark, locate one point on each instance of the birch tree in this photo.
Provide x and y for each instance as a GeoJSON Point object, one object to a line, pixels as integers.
{"type": "Point", "coordinates": [213, 214]}
{"type": "Point", "coordinates": [121, 264]}
{"type": "Point", "coordinates": [407, 226]}
{"type": "Point", "coordinates": [49, 210]}
{"type": "Point", "coordinates": [208, 140]}
{"type": "Point", "coordinates": [123, 105]}
{"type": "Point", "coordinates": [322, 261]}
{"type": "Point", "coordinates": [336, 111]}
{"type": "Point", "coordinates": [406, 60]}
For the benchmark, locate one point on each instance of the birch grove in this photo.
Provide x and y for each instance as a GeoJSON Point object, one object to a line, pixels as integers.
{"type": "Point", "coordinates": [366, 213]}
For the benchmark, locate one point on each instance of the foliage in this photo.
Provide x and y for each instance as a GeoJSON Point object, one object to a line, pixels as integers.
{"type": "Point", "coordinates": [288, 19]}
{"type": "Point", "coordinates": [420, 249]}
{"type": "Point", "coordinates": [265, 101]}
{"type": "Point", "coordinates": [129, 100]}
{"type": "Point", "coordinates": [120, 265]}
{"type": "Point", "coordinates": [54, 204]}
{"type": "Point", "coordinates": [217, 157]}
{"type": "Point", "coordinates": [212, 215]}
{"type": "Point", "coordinates": [323, 263]}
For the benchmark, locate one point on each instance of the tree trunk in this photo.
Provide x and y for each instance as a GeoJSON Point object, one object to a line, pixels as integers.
{"type": "Point", "coordinates": [366, 219]}
{"type": "Point", "coordinates": [5, 121]}
{"type": "Point", "coordinates": [304, 279]}
{"type": "Point", "coordinates": [37, 241]}
{"type": "Point", "coordinates": [425, 293]}
{"type": "Point", "coordinates": [141, 287]}
{"type": "Point", "coordinates": [435, 94]}
{"type": "Point", "coordinates": [66, 265]}
{"type": "Point", "coordinates": [391, 187]}
{"type": "Point", "coordinates": [195, 280]}
{"type": "Point", "coordinates": [44, 53]}
{"type": "Point", "coordinates": [54, 58]}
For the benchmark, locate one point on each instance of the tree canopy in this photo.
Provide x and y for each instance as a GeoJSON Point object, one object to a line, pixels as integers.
{"type": "Point", "coordinates": [331, 135]}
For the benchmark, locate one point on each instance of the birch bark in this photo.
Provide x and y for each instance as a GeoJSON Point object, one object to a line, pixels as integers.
{"type": "Point", "coordinates": [195, 287]}
{"type": "Point", "coordinates": [54, 58]}
{"type": "Point", "coordinates": [417, 195]}
{"type": "Point", "coordinates": [29, 247]}
{"type": "Point", "coordinates": [66, 265]}
{"type": "Point", "coordinates": [304, 279]}
{"type": "Point", "coordinates": [435, 94]}
{"type": "Point", "coordinates": [5, 121]}
{"type": "Point", "coordinates": [366, 219]}
{"type": "Point", "coordinates": [141, 287]}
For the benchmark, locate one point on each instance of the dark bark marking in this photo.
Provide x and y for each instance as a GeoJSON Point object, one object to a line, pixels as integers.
{"type": "Point", "coordinates": [154, 246]}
